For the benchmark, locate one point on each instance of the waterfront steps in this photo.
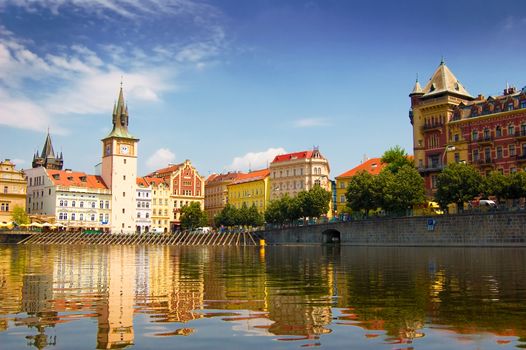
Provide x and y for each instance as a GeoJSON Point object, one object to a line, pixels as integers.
{"type": "Point", "coordinates": [182, 239]}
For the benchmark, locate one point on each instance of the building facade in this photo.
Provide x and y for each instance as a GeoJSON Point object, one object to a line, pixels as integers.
{"type": "Point", "coordinates": [251, 189]}
{"type": "Point", "coordinates": [144, 205]}
{"type": "Point", "coordinates": [373, 166]}
{"type": "Point", "coordinates": [119, 169]}
{"type": "Point", "coordinates": [160, 204]}
{"type": "Point", "coordinates": [75, 199]}
{"type": "Point", "coordinates": [294, 172]}
{"type": "Point", "coordinates": [450, 125]}
{"type": "Point", "coordinates": [186, 186]}
{"type": "Point", "coordinates": [13, 190]}
{"type": "Point", "coordinates": [47, 157]}
{"type": "Point", "coordinates": [216, 193]}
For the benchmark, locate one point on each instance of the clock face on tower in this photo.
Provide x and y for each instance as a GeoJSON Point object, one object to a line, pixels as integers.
{"type": "Point", "coordinates": [125, 149]}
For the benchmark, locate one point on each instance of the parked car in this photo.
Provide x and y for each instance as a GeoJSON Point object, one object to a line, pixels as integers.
{"type": "Point", "coordinates": [487, 203]}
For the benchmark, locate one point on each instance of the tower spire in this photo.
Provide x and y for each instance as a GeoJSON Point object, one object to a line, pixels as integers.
{"type": "Point", "coordinates": [120, 117]}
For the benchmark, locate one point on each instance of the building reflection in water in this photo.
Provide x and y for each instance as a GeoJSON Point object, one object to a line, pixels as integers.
{"type": "Point", "coordinates": [289, 293]}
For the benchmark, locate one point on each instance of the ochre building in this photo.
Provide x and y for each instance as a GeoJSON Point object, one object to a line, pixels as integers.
{"type": "Point", "coordinates": [216, 193]}
{"type": "Point", "coordinates": [251, 189]}
{"type": "Point", "coordinates": [450, 125]}
{"type": "Point", "coordinates": [13, 188]}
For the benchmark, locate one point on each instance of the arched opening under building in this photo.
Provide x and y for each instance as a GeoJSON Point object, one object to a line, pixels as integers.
{"type": "Point", "coordinates": [331, 236]}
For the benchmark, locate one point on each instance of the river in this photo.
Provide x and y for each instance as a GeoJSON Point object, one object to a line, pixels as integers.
{"type": "Point", "coordinates": [160, 297]}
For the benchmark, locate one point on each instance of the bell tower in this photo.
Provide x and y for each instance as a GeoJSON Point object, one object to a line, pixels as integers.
{"type": "Point", "coordinates": [119, 169]}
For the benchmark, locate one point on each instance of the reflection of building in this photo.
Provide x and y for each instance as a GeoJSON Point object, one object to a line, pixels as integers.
{"type": "Point", "coordinates": [47, 158]}
{"type": "Point", "coordinates": [294, 172]}
{"type": "Point", "coordinates": [216, 193]}
{"type": "Point", "coordinates": [250, 189]}
{"type": "Point", "coordinates": [186, 186]}
{"type": "Point", "coordinates": [116, 314]}
{"type": "Point", "coordinates": [13, 189]}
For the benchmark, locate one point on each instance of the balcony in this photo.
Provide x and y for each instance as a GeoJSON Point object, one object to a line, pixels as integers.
{"type": "Point", "coordinates": [521, 158]}
{"type": "Point", "coordinates": [488, 162]}
{"type": "Point", "coordinates": [433, 168]}
{"type": "Point", "coordinates": [484, 140]}
{"type": "Point", "coordinates": [432, 126]}
{"type": "Point", "coordinates": [520, 135]}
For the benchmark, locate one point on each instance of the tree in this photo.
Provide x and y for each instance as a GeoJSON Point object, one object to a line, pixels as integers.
{"type": "Point", "coordinates": [395, 158]}
{"type": "Point", "coordinates": [458, 183]}
{"type": "Point", "coordinates": [517, 185]}
{"type": "Point", "coordinates": [401, 190]}
{"type": "Point", "coordinates": [363, 193]}
{"type": "Point", "coordinates": [229, 216]}
{"type": "Point", "coordinates": [314, 202]}
{"type": "Point", "coordinates": [192, 216]}
{"type": "Point", "coordinates": [19, 216]}
{"type": "Point", "coordinates": [255, 217]}
{"type": "Point", "coordinates": [497, 184]}
{"type": "Point", "coordinates": [274, 213]}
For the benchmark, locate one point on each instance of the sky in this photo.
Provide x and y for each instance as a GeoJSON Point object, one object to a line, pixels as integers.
{"type": "Point", "coordinates": [230, 84]}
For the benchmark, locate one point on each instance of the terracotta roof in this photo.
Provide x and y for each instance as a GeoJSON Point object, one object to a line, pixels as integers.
{"type": "Point", "coordinates": [75, 178]}
{"type": "Point", "coordinates": [443, 80]}
{"type": "Point", "coordinates": [372, 166]}
{"type": "Point", "coordinates": [293, 156]}
{"type": "Point", "coordinates": [252, 176]}
{"type": "Point", "coordinates": [231, 176]}
{"type": "Point", "coordinates": [164, 171]}
{"type": "Point", "coordinates": [141, 181]}
{"type": "Point", "coordinates": [155, 180]}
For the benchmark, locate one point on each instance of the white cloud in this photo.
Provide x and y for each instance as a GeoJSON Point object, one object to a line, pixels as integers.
{"type": "Point", "coordinates": [310, 122]}
{"type": "Point", "coordinates": [255, 160]}
{"type": "Point", "coordinates": [160, 159]}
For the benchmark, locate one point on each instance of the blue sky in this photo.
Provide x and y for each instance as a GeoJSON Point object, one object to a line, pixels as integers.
{"type": "Point", "coordinates": [231, 83]}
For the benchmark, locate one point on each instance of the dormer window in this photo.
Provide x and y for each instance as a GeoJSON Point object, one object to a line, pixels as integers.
{"type": "Point", "coordinates": [457, 86]}
{"type": "Point", "coordinates": [432, 88]}
{"type": "Point", "coordinates": [70, 178]}
{"type": "Point", "coordinates": [56, 176]}
{"type": "Point", "coordinates": [83, 178]}
{"type": "Point", "coordinates": [510, 106]}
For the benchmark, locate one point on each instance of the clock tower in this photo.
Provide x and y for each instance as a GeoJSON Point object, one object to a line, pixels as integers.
{"type": "Point", "coordinates": [119, 169]}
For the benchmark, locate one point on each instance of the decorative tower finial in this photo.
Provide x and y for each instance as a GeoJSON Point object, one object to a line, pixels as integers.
{"type": "Point", "coordinates": [442, 60]}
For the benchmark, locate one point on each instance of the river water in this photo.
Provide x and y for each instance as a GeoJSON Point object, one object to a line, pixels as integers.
{"type": "Point", "coordinates": [159, 297]}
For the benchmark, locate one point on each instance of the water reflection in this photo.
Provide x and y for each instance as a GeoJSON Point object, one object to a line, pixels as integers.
{"type": "Point", "coordinates": [300, 296]}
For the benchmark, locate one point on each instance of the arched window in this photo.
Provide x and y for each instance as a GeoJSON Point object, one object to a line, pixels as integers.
{"type": "Point", "coordinates": [498, 131]}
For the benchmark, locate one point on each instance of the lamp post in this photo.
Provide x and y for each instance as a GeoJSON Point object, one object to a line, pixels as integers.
{"type": "Point", "coordinates": [448, 148]}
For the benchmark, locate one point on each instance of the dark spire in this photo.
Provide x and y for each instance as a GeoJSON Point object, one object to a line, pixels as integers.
{"type": "Point", "coordinates": [120, 118]}
{"type": "Point", "coordinates": [47, 151]}
{"type": "Point", "coordinates": [47, 158]}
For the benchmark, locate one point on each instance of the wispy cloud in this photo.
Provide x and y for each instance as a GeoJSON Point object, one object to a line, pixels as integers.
{"type": "Point", "coordinates": [311, 122]}
{"type": "Point", "coordinates": [160, 159]}
{"type": "Point", "coordinates": [255, 160]}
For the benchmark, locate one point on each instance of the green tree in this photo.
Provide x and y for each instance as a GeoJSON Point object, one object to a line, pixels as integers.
{"type": "Point", "coordinates": [229, 216]}
{"type": "Point", "coordinates": [314, 202]}
{"type": "Point", "coordinates": [363, 193]}
{"type": "Point", "coordinates": [401, 190]}
{"type": "Point", "coordinates": [192, 216]}
{"type": "Point", "coordinates": [517, 185]}
{"type": "Point", "coordinates": [243, 216]}
{"type": "Point", "coordinates": [458, 183]}
{"type": "Point", "coordinates": [497, 184]}
{"type": "Point", "coordinates": [274, 213]}
{"type": "Point", "coordinates": [396, 157]}
{"type": "Point", "coordinates": [255, 217]}
{"type": "Point", "coordinates": [19, 216]}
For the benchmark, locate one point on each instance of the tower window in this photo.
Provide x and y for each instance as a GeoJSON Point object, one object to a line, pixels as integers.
{"type": "Point", "coordinates": [124, 177]}
{"type": "Point", "coordinates": [123, 211]}
{"type": "Point", "coordinates": [124, 194]}
{"type": "Point", "coordinates": [124, 161]}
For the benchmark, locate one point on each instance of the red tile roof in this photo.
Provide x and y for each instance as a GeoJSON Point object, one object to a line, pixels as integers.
{"type": "Point", "coordinates": [75, 178]}
{"type": "Point", "coordinates": [292, 156]}
{"type": "Point", "coordinates": [141, 181]}
{"type": "Point", "coordinates": [252, 176]}
{"type": "Point", "coordinates": [372, 166]}
{"type": "Point", "coordinates": [223, 177]}
{"type": "Point", "coordinates": [155, 180]}
{"type": "Point", "coordinates": [165, 171]}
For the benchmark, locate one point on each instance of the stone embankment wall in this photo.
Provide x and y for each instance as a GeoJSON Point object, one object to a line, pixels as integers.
{"type": "Point", "coordinates": [475, 229]}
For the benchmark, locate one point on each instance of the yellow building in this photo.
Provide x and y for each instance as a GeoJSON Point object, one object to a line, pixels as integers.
{"type": "Point", "coordinates": [373, 166]}
{"type": "Point", "coordinates": [13, 189]}
{"type": "Point", "coordinates": [251, 189]}
{"type": "Point", "coordinates": [216, 193]}
{"type": "Point", "coordinates": [160, 204]}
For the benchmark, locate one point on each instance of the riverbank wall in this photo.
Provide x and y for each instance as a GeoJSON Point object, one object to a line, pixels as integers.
{"type": "Point", "coordinates": [489, 229]}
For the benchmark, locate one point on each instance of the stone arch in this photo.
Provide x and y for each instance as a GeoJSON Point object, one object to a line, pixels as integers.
{"type": "Point", "coordinates": [331, 236]}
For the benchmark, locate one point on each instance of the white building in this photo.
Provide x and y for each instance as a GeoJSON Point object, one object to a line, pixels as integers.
{"type": "Point", "coordinates": [144, 205]}
{"type": "Point", "coordinates": [76, 199]}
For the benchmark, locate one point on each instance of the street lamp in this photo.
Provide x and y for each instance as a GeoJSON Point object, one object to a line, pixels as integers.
{"type": "Point", "coordinates": [448, 148]}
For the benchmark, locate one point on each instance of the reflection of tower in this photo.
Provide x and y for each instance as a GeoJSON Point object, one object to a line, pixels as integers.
{"type": "Point", "coordinates": [116, 315]}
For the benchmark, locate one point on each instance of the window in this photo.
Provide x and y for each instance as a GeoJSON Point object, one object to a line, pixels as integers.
{"type": "Point", "coordinates": [511, 149]}
{"type": "Point", "coordinates": [486, 134]}
{"type": "Point", "coordinates": [73, 204]}
{"type": "Point", "coordinates": [81, 217]}
{"type": "Point", "coordinates": [107, 204]}
{"type": "Point", "coordinates": [138, 204]}
{"type": "Point", "coordinates": [124, 194]}
{"type": "Point", "coordinates": [499, 152]}
{"type": "Point", "coordinates": [475, 155]}
{"type": "Point", "coordinates": [138, 215]}
{"type": "Point", "coordinates": [342, 198]}
{"type": "Point", "coordinates": [474, 135]}
{"type": "Point", "coordinates": [101, 217]}
{"type": "Point", "coordinates": [101, 204]}
{"type": "Point", "coordinates": [93, 205]}
{"type": "Point", "coordinates": [106, 218]}
{"type": "Point", "coordinates": [511, 130]}
{"type": "Point", "coordinates": [5, 189]}
{"type": "Point", "coordinates": [124, 161]}
{"type": "Point", "coordinates": [61, 203]}
{"type": "Point", "coordinates": [65, 216]}
{"type": "Point", "coordinates": [73, 216]}
{"type": "Point", "coordinates": [523, 104]}
{"type": "Point", "coordinates": [147, 215]}
{"type": "Point", "coordinates": [457, 157]}
{"type": "Point", "coordinates": [434, 181]}
{"type": "Point", "coordinates": [487, 154]}
{"type": "Point", "coordinates": [498, 131]}
{"type": "Point", "coordinates": [81, 204]}
{"type": "Point", "coordinates": [456, 137]}
{"type": "Point", "coordinates": [124, 177]}
{"type": "Point", "coordinates": [317, 183]}
{"type": "Point", "coordinates": [123, 211]}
